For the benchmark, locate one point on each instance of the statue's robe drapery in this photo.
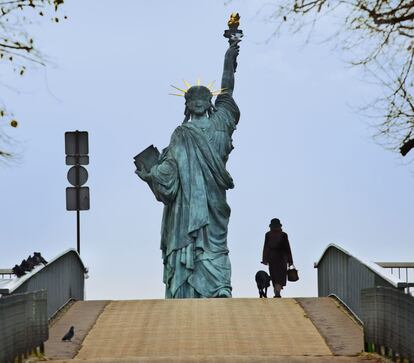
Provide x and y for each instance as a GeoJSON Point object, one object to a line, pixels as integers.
{"type": "Point", "coordinates": [191, 180]}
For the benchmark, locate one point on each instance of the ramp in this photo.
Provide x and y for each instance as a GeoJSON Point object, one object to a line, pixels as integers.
{"type": "Point", "coordinates": [209, 330]}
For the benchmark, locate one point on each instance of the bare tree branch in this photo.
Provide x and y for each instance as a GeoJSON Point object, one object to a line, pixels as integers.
{"type": "Point", "coordinates": [17, 48]}
{"type": "Point", "coordinates": [406, 147]}
{"type": "Point", "coordinates": [381, 34]}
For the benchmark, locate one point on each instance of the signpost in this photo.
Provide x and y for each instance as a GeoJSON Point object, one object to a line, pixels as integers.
{"type": "Point", "coordinates": [77, 197]}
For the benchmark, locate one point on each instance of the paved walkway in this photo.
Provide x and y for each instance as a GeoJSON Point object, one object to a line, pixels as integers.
{"type": "Point", "coordinates": [341, 333]}
{"type": "Point", "coordinates": [232, 359]}
{"type": "Point", "coordinates": [211, 331]}
{"type": "Point", "coordinates": [203, 327]}
{"type": "Point", "coordinates": [82, 315]}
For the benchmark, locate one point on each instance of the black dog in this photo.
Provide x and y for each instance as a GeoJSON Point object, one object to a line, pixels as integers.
{"type": "Point", "coordinates": [263, 282]}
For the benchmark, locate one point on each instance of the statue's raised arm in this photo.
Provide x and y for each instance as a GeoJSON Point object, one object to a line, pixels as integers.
{"type": "Point", "coordinates": [227, 80]}
{"type": "Point", "coordinates": [234, 35]}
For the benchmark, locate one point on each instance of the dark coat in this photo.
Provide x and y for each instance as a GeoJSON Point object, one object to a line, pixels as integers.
{"type": "Point", "coordinates": [277, 253]}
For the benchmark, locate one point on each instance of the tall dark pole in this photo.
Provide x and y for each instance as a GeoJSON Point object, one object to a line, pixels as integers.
{"type": "Point", "coordinates": [78, 227]}
{"type": "Point", "coordinates": [77, 192]}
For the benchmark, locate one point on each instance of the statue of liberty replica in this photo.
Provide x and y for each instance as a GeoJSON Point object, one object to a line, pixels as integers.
{"type": "Point", "coordinates": [191, 179]}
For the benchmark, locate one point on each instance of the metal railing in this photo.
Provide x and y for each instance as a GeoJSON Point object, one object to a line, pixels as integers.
{"type": "Point", "coordinates": [395, 269]}
{"type": "Point", "coordinates": [388, 316]}
{"type": "Point", "coordinates": [63, 278]}
{"type": "Point", "coordinates": [6, 273]}
{"type": "Point", "coordinates": [344, 275]}
{"type": "Point", "coordinates": [23, 325]}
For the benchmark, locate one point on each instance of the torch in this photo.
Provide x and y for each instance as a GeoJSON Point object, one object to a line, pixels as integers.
{"type": "Point", "coordinates": [233, 33]}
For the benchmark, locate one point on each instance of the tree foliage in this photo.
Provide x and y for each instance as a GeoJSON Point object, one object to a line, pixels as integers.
{"type": "Point", "coordinates": [18, 50]}
{"type": "Point", "coordinates": [377, 35]}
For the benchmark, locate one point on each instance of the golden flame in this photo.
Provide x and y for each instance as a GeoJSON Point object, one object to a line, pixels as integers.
{"type": "Point", "coordinates": [234, 20]}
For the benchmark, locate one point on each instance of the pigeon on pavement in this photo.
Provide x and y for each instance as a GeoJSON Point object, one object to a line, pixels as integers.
{"type": "Point", "coordinates": [69, 335]}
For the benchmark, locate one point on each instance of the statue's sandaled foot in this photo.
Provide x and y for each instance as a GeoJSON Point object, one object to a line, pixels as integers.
{"type": "Point", "coordinates": [224, 293]}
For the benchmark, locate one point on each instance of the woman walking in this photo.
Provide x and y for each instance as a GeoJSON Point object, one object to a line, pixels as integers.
{"type": "Point", "coordinates": [277, 255]}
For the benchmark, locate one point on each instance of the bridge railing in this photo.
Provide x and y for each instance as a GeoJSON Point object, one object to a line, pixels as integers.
{"type": "Point", "coordinates": [405, 271]}
{"type": "Point", "coordinates": [6, 273]}
{"type": "Point", "coordinates": [388, 316]}
{"type": "Point", "coordinates": [345, 275]}
{"type": "Point", "coordinates": [63, 278]}
{"type": "Point", "coordinates": [23, 324]}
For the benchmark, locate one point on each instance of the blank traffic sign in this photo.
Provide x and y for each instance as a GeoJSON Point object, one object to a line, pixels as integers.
{"type": "Point", "coordinates": [72, 198]}
{"type": "Point", "coordinates": [77, 175]}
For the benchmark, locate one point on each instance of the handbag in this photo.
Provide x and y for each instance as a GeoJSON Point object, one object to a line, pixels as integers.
{"type": "Point", "coordinates": [292, 274]}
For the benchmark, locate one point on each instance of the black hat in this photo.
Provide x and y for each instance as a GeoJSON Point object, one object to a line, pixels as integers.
{"type": "Point", "coordinates": [275, 223]}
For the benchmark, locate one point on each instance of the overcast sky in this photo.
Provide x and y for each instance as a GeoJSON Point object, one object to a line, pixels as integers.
{"type": "Point", "coordinates": [302, 153]}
